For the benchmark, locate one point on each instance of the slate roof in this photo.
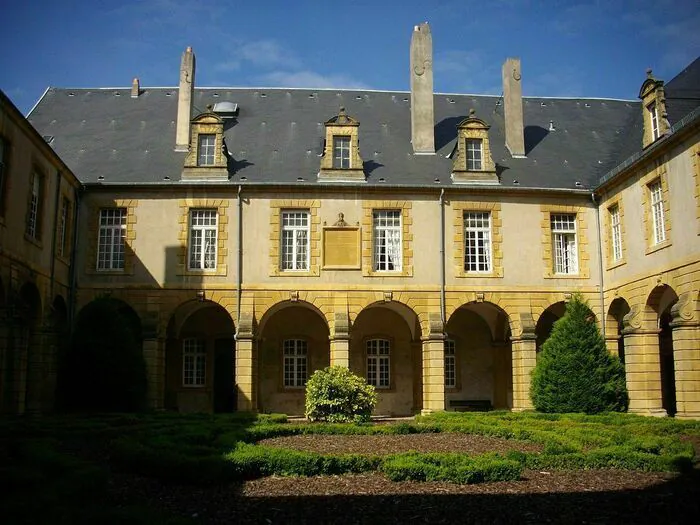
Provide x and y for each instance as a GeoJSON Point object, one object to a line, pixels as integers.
{"type": "Point", "coordinates": [278, 135]}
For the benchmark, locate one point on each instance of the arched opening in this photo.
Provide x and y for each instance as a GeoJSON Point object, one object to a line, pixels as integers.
{"type": "Point", "coordinates": [294, 343]}
{"type": "Point", "coordinates": [29, 366]}
{"type": "Point", "coordinates": [56, 346]}
{"type": "Point", "coordinates": [385, 349]}
{"type": "Point", "coordinates": [200, 359]}
{"type": "Point", "coordinates": [546, 321]}
{"type": "Point", "coordinates": [104, 368]}
{"type": "Point", "coordinates": [659, 304]}
{"type": "Point", "coordinates": [619, 308]}
{"type": "Point", "coordinates": [478, 362]}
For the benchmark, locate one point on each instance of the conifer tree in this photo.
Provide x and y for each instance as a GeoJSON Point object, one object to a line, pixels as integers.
{"type": "Point", "coordinates": [574, 371]}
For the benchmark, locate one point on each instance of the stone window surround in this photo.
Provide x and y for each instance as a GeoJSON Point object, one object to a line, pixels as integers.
{"type": "Point", "coordinates": [657, 174]}
{"type": "Point", "coordinates": [36, 238]}
{"type": "Point", "coordinates": [470, 128]}
{"type": "Point", "coordinates": [94, 230]}
{"type": "Point", "coordinates": [367, 254]}
{"type": "Point", "coordinates": [295, 214]}
{"type": "Point", "coordinates": [652, 93]}
{"type": "Point", "coordinates": [221, 206]}
{"type": "Point", "coordinates": [494, 208]}
{"type": "Point", "coordinates": [276, 208]}
{"type": "Point", "coordinates": [65, 255]}
{"type": "Point", "coordinates": [342, 125]}
{"type": "Point", "coordinates": [611, 263]}
{"type": "Point", "coordinates": [583, 255]}
{"type": "Point", "coordinates": [202, 214]}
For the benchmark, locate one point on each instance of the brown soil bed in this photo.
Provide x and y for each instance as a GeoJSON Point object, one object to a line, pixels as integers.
{"type": "Point", "coordinates": [392, 444]}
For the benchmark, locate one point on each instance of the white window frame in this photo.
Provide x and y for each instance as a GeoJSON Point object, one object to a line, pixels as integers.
{"type": "Point", "coordinates": [616, 233]}
{"type": "Point", "coordinates": [295, 240]}
{"type": "Point", "coordinates": [564, 243]}
{"type": "Point", "coordinates": [34, 204]}
{"type": "Point", "coordinates": [206, 149]}
{"type": "Point", "coordinates": [450, 364]}
{"type": "Point", "coordinates": [63, 227]}
{"type": "Point", "coordinates": [387, 243]}
{"type": "Point", "coordinates": [341, 151]}
{"type": "Point", "coordinates": [477, 242]}
{"type": "Point", "coordinates": [475, 154]}
{"type": "Point", "coordinates": [654, 120]}
{"type": "Point", "coordinates": [657, 211]}
{"type": "Point", "coordinates": [379, 363]}
{"type": "Point", "coordinates": [194, 362]}
{"type": "Point", "coordinates": [203, 239]}
{"type": "Point", "coordinates": [111, 239]}
{"type": "Point", "coordinates": [295, 363]}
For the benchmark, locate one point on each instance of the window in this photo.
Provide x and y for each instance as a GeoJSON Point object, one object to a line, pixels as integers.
{"type": "Point", "coordinates": [477, 242]}
{"type": "Point", "coordinates": [564, 240]}
{"type": "Point", "coordinates": [295, 352]}
{"type": "Point", "coordinates": [387, 240]}
{"type": "Point", "coordinates": [378, 353]}
{"type": "Point", "coordinates": [203, 230]}
{"type": "Point", "coordinates": [450, 364]}
{"type": "Point", "coordinates": [654, 119]}
{"type": "Point", "coordinates": [616, 233]}
{"type": "Point", "coordinates": [341, 152]}
{"type": "Point", "coordinates": [33, 215]}
{"type": "Point", "coordinates": [657, 212]}
{"type": "Point", "coordinates": [205, 150]}
{"type": "Point", "coordinates": [194, 362]}
{"type": "Point", "coordinates": [474, 154]}
{"type": "Point", "coordinates": [111, 239]}
{"type": "Point", "coordinates": [4, 150]}
{"type": "Point", "coordinates": [63, 227]}
{"type": "Point", "coordinates": [295, 240]}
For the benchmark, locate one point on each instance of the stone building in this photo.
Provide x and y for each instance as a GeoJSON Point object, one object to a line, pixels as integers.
{"type": "Point", "coordinates": [427, 241]}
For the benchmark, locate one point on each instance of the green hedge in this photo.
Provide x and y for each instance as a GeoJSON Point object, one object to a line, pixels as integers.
{"type": "Point", "coordinates": [455, 468]}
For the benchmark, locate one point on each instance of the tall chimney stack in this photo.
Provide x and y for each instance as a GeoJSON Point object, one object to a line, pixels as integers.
{"type": "Point", "coordinates": [422, 113]}
{"type": "Point", "coordinates": [513, 107]}
{"type": "Point", "coordinates": [135, 88]}
{"type": "Point", "coordinates": [184, 101]}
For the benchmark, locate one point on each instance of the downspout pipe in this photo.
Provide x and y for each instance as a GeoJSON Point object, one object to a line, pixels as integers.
{"type": "Point", "coordinates": [239, 284]}
{"type": "Point", "coordinates": [53, 237]}
{"type": "Point", "coordinates": [600, 263]}
{"type": "Point", "coordinates": [72, 269]}
{"type": "Point", "coordinates": [442, 258]}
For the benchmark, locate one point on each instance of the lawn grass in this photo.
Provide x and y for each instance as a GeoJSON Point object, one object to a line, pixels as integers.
{"type": "Point", "coordinates": [57, 469]}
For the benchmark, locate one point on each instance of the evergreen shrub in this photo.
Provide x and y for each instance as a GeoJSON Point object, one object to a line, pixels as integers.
{"type": "Point", "coordinates": [574, 371]}
{"type": "Point", "coordinates": [337, 395]}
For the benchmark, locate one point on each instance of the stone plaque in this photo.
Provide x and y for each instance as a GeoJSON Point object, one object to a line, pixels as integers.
{"type": "Point", "coordinates": [341, 248]}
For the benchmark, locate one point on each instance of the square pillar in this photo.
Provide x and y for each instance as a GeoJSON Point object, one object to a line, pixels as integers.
{"type": "Point", "coordinates": [686, 357]}
{"type": "Point", "coordinates": [433, 375]}
{"type": "Point", "coordinates": [643, 372]}
{"type": "Point", "coordinates": [246, 375]}
{"type": "Point", "coordinates": [340, 352]}
{"type": "Point", "coordinates": [524, 351]}
{"type": "Point", "coordinates": [154, 356]}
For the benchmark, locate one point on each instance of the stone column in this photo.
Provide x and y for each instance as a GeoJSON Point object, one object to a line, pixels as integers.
{"type": "Point", "coordinates": [37, 339]}
{"type": "Point", "coordinates": [686, 357]}
{"type": "Point", "coordinates": [154, 355]}
{"type": "Point", "coordinates": [643, 371]}
{"type": "Point", "coordinates": [340, 341]}
{"type": "Point", "coordinates": [524, 350]}
{"type": "Point", "coordinates": [433, 362]}
{"type": "Point", "coordinates": [246, 365]}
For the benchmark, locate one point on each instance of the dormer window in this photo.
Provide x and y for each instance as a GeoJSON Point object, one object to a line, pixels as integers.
{"type": "Point", "coordinates": [205, 153]}
{"type": "Point", "coordinates": [654, 120]}
{"type": "Point", "coordinates": [474, 154]}
{"type": "Point", "coordinates": [341, 159]}
{"type": "Point", "coordinates": [471, 158]}
{"type": "Point", "coordinates": [654, 108]}
{"type": "Point", "coordinates": [341, 152]}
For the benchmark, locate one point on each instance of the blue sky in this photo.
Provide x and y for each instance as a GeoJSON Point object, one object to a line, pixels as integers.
{"type": "Point", "coordinates": [568, 48]}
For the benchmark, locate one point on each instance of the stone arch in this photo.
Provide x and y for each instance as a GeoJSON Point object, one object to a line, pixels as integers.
{"type": "Point", "coordinates": [274, 308]}
{"type": "Point", "coordinates": [200, 358]}
{"type": "Point", "coordinates": [293, 342]}
{"type": "Point", "coordinates": [29, 313]}
{"type": "Point", "coordinates": [479, 337]}
{"type": "Point", "coordinates": [496, 300]}
{"type": "Point", "coordinates": [614, 325]}
{"type": "Point", "coordinates": [385, 348]}
{"type": "Point", "coordinates": [657, 316]}
{"type": "Point", "coordinates": [104, 368]}
{"type": "Point", "coordinates": [545, 321]}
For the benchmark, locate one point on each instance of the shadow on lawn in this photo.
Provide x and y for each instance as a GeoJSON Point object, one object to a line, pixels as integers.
{"type": "Point", "coordinates": [677, 501]}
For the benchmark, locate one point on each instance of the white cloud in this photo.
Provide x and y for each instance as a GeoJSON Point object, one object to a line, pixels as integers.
{"type": "Point", "coordinates": [310, 79]}
{"type": "Point", "coordinates": [264, 54]}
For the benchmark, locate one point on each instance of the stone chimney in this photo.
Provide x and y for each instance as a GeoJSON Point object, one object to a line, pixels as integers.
{"type": "Point", "coordinates": [422, 113]}
{"type": "Point", "coordinates": [184, 101]}
{"type": "Point", "coordinates": [513, 107]}
{"type": "Point", "coordinates": [135, 88]}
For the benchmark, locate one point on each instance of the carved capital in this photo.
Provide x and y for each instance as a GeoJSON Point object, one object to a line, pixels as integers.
{"type": "Point", "coordinates": [246, 326]}
{"type": "Point", "coordinates": [342, 326]}
{"type": "Point", "coordinates": [683, 312]}
{"type": "Point", "coordinates": [632, 322]}
{"type": "Point", "coordinates": [436, 330]}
